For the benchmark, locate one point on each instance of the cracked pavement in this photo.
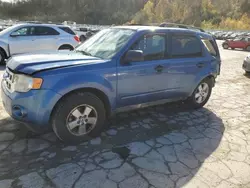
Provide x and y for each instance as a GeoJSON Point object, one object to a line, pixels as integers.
{"type": "Point", "coordinates": [164, 146]}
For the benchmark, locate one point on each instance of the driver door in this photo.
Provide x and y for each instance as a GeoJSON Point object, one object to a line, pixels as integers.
{"type": "Point", "coordinates": [22, 41]}
{"type": "Point", "coordinates": [144, 81]}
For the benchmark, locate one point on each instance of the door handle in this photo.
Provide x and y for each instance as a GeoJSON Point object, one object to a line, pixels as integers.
{"type": "Point", "coordinates": [159, 68]}
{"type": "Point", "coordinates": [200, 65]}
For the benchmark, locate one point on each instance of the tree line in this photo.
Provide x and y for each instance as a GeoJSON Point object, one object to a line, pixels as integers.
{"type": "Point", "coordinates": [231, 14]}
{"type": "Point", "coordinates": [80, 11]}
{"type": "Point", "coordinates": [226, 14]}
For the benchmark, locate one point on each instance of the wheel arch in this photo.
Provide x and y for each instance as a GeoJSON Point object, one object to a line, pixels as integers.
{"type": "Point", "coordinates": [210, 77]}
{"type": "Point", "coordinates": [66, 45]}
{"type": "Point", "coordinates": [98, 93]}
{"type": "Point", "coordinates": [3, 50]}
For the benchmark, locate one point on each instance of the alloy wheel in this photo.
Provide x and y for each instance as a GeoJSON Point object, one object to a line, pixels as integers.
{"type": "Point", "coordinates": [82, 120]}
{"type": "Point", "coordinates": [201, 93]}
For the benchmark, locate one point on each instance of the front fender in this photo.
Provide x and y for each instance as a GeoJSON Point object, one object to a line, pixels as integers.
{"type": "Point", "coordinates": [66, 84]}
{"type": "Point", "coordinates": [5, 47]}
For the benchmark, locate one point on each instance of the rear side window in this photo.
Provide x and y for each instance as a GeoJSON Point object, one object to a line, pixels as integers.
{"type": "Point", "coordinates": [67, 30]}
{"type": "Point", "coordinates": [210, 46]}
{"type": "Point", "coordinates": [42, 30]}
{"type": "Point", "coordinates": [185, 46]}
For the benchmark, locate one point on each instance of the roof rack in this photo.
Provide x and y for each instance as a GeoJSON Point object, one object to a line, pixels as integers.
{"type": "Point", "coordinates": [166, 24]}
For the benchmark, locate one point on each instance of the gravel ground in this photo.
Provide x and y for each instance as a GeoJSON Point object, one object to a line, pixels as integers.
{"type": "Point", "coordinates": [159, 147]}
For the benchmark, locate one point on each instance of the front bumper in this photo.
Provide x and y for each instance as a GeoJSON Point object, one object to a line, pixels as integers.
{"type": "Point", "coordinates": [246, 66]}
{"type": "Point", "coordinates": [32, 108]}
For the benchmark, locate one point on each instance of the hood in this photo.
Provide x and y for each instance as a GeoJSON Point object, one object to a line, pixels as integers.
{"type": "Point", "coordinates": [31, 63]}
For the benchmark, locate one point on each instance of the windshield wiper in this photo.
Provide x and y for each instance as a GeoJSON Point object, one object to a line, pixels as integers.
{"type": "Point", "coordinates": [84, 53]}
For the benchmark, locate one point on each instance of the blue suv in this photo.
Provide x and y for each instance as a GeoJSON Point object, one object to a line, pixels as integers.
{"type": "Point", "coordinates": [116, 69]}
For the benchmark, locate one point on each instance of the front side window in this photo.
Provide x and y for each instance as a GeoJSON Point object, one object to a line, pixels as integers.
{"type": "Point", "coordinates": [106, 43]}
{"type": "Point", "coordinates": [24, 31]}
{"type": "Point", "coordinates": [153, 46]}
{"type": "Point", "coordinates": [185, 46]}
{"type": "Point", "coordinates": [41, 30]}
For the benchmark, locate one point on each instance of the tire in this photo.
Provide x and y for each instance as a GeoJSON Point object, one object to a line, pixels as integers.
{"type": "Point", "coordinates": [233, 48]}
{"type": "Point", "coordinates": [225, 46]}
{"type": "Point", "coordinates": [248, 48]}
{"type": "Point", "coordinates": [67, 126]}
{"type": "Point", "coordinates": [66, 47]}
{"type": "Point", "coordinates": [194, 99]}
{"type": "Point", "coordinates": [2, 57]}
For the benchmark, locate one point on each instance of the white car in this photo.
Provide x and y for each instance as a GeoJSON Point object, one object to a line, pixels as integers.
{"type": "Point", "coordinates": [28, 38]}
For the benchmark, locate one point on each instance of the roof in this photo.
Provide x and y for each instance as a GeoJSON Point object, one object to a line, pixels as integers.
{"type": "Point", "coordinates": [40, 24]}
{"type": "Point", "coordinates": [157, 28]}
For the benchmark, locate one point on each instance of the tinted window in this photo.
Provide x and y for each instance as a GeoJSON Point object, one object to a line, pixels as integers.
{"type": "Point", "coordinates": [184, 46]}
{"type": "Point", "coordinates": [67, 30]}
{"type": "Point", "coordinates": [153, 46]}
{"type": "Point", "coordinates": [41, 30]}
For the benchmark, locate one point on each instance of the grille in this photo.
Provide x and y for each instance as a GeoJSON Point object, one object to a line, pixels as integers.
{"type": "Point", "coordinates": [9, 80]}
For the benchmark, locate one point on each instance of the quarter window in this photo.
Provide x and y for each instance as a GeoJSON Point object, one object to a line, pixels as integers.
{"type": "Point", "coordinates": [209, 45]}
{"type": "Point", "coordinates": [153, 46]}
{"type": "Point", "coordinates": [184, 46]}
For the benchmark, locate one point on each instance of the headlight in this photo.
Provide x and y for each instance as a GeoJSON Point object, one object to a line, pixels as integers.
{"type": "Point", "coordinates": [23, 83]}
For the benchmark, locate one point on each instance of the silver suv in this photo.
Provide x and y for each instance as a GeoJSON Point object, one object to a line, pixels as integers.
{"type": "Point", "coordinates": [28, 38]}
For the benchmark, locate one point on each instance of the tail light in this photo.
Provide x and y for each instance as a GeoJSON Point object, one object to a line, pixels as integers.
{"type": "Point", "coordinates": [77, 38]}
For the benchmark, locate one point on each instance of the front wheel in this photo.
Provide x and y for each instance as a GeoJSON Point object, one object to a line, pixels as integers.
{"type": "Point", "coordinates": [225, 46]}
{"type": "Point", "coordinates": [201, 94]}
{"type": "Point", "coordinates": [2, 57]}
{"type": "Point", "coordinates": [78, 117]}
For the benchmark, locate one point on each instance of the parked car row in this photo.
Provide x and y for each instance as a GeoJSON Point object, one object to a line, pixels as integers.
{"type": "Point", "coordinates": [227, 35]}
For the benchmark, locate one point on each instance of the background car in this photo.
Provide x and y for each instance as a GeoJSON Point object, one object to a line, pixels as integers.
{"type": "Point", "coordinates": [24, 38]}
{"type": "Point", "coordinates": [246, 64]}
{"type": "Point", "coordinates": [242, 43]}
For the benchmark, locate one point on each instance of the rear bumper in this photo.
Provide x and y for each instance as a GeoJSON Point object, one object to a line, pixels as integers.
{"type": "Point", "coordinates": [32, 108]}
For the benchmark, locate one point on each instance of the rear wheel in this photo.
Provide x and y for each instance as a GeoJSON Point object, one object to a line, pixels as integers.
{"type": "Point", "coordinates": [233, 48]}
{"type": "Point", "coordinates": [225, 46]}
{"type": "Point", "coordinates": [2, 57]}
{"type": "Point", "coordinates": [79, 117]}
{"type": "Point", "coordinates": [201, 94]}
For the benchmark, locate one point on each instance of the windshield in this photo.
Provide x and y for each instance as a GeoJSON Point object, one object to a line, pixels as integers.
{"type": "Point", "coordinates": [106, 43]}
{"type": "Point", "coordinates": [8, 29]}
{"type": "Point", "coordinates": [237, 39]}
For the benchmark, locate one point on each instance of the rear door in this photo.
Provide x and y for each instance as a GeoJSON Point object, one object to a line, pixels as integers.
{"type": "Point", "coordinates": [46, 38]}
{"type": "Point", "coordinates": [22, 40]}
{"type": "Point", "coordinates": [188, 61]}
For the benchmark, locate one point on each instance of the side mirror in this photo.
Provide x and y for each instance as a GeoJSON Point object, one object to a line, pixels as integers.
{"type": "Point", "coordinates": [133, 56]}
{"type": "Point", "coordinates": [14, 34]}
